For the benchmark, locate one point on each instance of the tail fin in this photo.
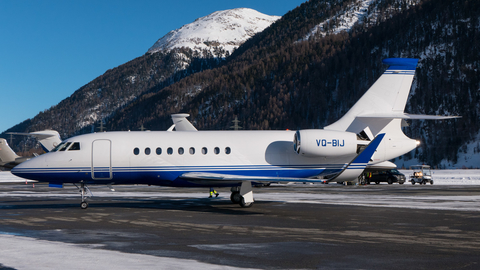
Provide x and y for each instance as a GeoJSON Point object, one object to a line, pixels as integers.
{"type": "Point", "coordinates": [6, 153]}
{"type": "Point", "coordinates": [381, 110]}
{"type": "Point", "coordinates": [387, 97]}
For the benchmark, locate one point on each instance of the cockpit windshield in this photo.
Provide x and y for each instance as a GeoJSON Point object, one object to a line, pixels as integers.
{"type": "Point", "coordinates": [67, 145]}
{"type": "Point", "coordinates": [60, 146]}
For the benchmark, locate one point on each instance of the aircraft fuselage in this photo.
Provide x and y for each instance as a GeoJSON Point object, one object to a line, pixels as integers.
{"type": "Point", "coordinates": [160, 158]}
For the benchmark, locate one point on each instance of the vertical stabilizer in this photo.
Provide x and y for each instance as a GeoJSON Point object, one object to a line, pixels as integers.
{"type": "Point", "coordinates": [6, 153]}
{"type": "Point", "coordinates": [387, 96]}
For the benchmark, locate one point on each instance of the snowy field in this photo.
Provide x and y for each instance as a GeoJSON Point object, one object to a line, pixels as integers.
{"type": "Point", "coordinates": [452, 177]}
{"type": "Point", "coordinates": [20, 252]}
{"type": "Point", "coordinates": [440, 177]}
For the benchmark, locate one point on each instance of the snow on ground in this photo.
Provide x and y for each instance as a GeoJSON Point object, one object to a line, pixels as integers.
{"type": "Point", "coordinates": [451, 177]}
{"type": "Point", "coordinates": [20, 252]}
{"type": "Point", "coordinates": [440, 177]}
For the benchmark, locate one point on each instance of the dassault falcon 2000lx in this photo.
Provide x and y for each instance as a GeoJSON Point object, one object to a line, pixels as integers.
{"type": "Point", "coordinates": [369, 134]}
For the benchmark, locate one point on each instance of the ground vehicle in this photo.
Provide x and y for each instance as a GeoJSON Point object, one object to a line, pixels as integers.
{"type": "Point", "coordinates": [422, 174]}
{"type": "Point", "coordinates": [390, 176]}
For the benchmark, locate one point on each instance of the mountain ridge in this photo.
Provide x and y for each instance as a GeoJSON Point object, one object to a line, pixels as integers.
{"type": "Point", "coordinates": [220, 32]}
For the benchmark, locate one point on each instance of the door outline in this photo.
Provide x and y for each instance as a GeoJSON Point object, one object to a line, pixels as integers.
{"type": "Point", "coordinates": [101, 159]}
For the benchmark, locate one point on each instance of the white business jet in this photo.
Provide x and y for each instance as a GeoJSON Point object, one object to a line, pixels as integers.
{"type": "Point", "coordinates": [369, 134]}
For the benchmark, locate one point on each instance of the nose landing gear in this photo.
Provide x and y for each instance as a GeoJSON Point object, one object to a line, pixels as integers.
{"type": "Point", "coordinates": [83, 191]}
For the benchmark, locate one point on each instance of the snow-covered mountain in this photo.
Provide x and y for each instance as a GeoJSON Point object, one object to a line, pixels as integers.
{"type": "Point", "coordinates": [219, 32]}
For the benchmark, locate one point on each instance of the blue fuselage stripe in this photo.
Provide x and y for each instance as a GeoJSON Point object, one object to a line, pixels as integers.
{"type": "Point", "coordinates": [168, 175]}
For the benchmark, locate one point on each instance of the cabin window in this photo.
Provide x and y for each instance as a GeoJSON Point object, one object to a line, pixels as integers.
{"type": "Point", "coordinates": [191, 151]}
{"type": "Point", "coordinates": [158, 151]}
{"type": "Point", "coordinates": [216, 150]}
{"type": "Point", "coordinates": [169, 151]}
{"type": "Point", "coordinates": [180, 151]}
{"type": "Point", "coordinates": [228, 150]}
{"type": "Point", "coordinates": [204, 150]}
{"type": "Point", "coordinates": [136, 151]}
{"type": "Point", "coordinates": [147, 151]}
{"type": "Point", "coordinates": [74, 147]}
{"type": "Point", "coordinates": [65, 146]}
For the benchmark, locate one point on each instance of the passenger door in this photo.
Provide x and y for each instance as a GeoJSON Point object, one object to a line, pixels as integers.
{"type": "Point", "coordinates": [101, 160]}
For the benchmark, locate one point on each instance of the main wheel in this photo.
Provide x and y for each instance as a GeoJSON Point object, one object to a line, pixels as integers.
{"type": "Point", "coordinates": [235, 197]}
{"type": "Point", "coordinates": [244, 204]}
{"type": "Point", "coordinates": [83, 205]}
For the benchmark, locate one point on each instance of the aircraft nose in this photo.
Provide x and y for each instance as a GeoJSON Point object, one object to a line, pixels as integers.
{"type": "Point", "coordinates": [30, 168]}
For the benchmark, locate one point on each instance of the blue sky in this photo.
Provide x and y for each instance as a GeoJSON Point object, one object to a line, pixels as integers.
{"type": "Point", "coordinates": [50, 48]}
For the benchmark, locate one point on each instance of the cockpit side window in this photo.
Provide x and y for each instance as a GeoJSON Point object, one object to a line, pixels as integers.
{"type": "Point", "coordinates": [74, 147]}
{"type": "Point", "coordinates": [65, 146]}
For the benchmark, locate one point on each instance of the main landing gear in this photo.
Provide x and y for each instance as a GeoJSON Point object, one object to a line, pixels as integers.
{"type": "Point", "coordinates": [243, 195]}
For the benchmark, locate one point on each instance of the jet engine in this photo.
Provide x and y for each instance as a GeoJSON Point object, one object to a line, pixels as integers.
{"type": "Point", "coordinates": [324, 143]}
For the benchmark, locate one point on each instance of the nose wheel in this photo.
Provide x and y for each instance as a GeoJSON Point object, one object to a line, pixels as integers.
{"type": "Point", "coordinates": [83, 191]}
{"type": "Point", "coordinates": [83, 205]}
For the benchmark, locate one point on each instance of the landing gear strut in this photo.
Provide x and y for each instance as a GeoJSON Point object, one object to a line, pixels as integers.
{"type": "Point", "coordinates": [83, 191]}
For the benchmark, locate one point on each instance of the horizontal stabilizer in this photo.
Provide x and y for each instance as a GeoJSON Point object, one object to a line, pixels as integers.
{"type": "Point", "coordinates": [49, 139]}
{"type": "Point", "coordinates": [407, 116]}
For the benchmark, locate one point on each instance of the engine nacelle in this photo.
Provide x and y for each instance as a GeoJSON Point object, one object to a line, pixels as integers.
{"type": "Point", "coordinates": [324, 143]}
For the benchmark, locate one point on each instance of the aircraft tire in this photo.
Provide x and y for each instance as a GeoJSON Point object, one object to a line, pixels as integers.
{"type": "Point", "coordinates": [84, 205]}
{"type": "Point", "coordinates": [245, 205]}
{"type": "Point", "coordinates": [235, 197]}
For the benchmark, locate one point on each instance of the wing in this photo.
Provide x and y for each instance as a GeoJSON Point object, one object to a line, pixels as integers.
{"type": "Point", "coordinates": [202, 177]}
{"type": "Point", "coordinates": [349, 172]}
